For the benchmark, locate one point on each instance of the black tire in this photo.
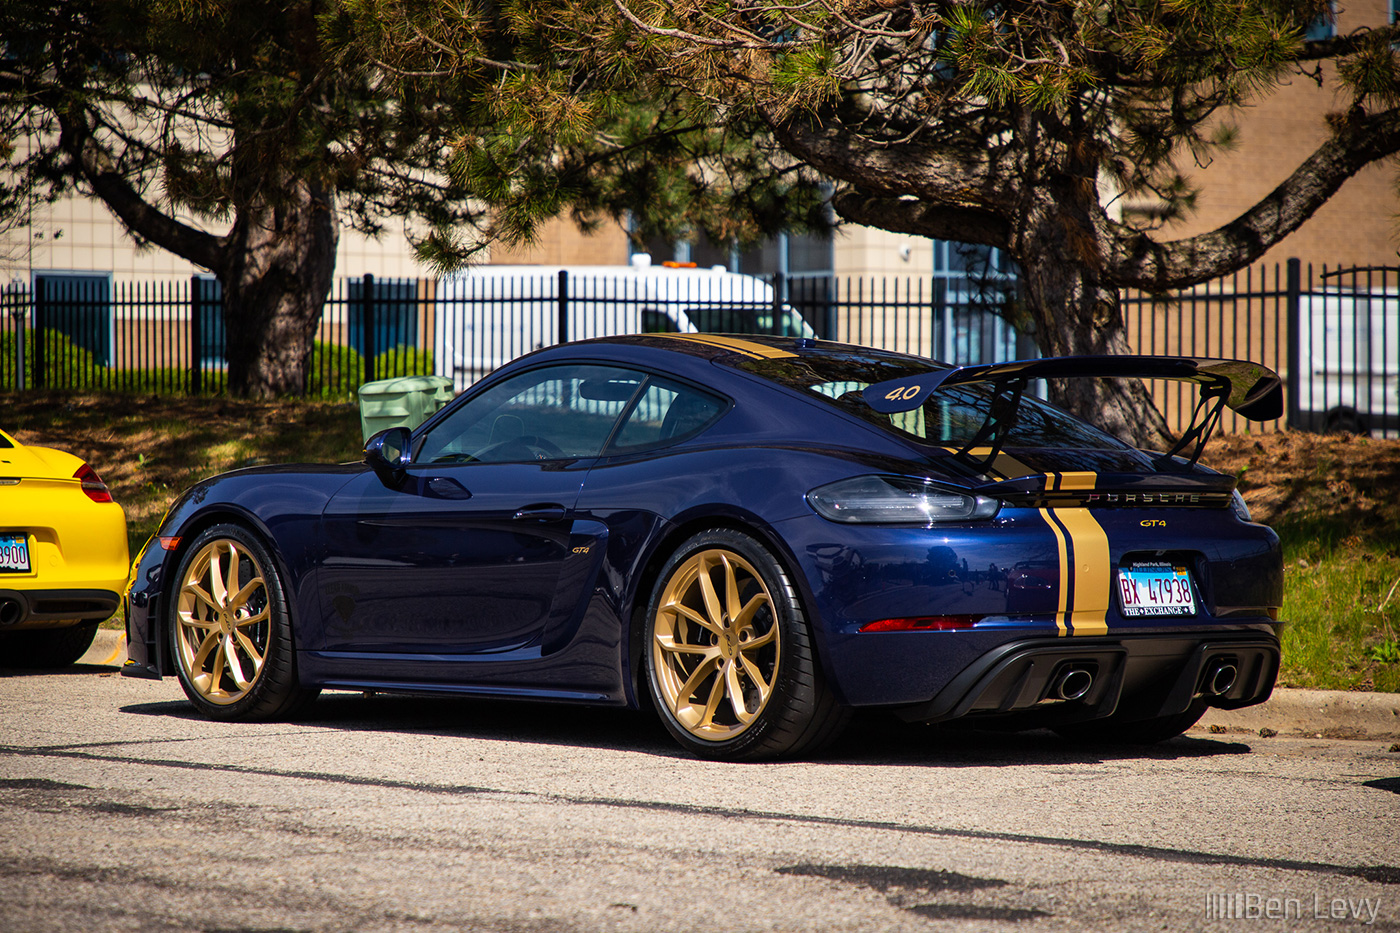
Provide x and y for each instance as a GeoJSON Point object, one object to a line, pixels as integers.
{"type": "Point", "coordinates": [46, 647]}
{"type": "Point", "coordinates": [212, 630]}
{"type": "Point", "coordinates": [1113, 731]}
{"type": "Point", "coordinates": [756, 656]}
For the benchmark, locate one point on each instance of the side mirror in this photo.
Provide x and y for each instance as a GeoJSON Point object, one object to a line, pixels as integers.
{"type": "Point", "coordinates": [387, 454]}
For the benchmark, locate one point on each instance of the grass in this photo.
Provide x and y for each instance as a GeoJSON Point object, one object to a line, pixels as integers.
{"type": "Point", "coordinates": [148, 450]}
{"type": "Point", "coordinates": [1343, 610]}
{"type": "Point", "coordinates": [1334, 501]}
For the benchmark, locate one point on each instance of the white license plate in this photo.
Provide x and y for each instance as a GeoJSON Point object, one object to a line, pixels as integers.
{"type": "Point", "coordinates": [14, 554]}
{"type": "Point", "coordinates": [1156, 589]}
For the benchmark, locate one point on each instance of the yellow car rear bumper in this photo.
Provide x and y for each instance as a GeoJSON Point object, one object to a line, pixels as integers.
{"type": "Point", "coordinates": [78, 560]}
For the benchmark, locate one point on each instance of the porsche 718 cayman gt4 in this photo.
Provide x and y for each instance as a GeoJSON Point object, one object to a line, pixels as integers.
{"type": "Point", "coordinates": [760, 534]}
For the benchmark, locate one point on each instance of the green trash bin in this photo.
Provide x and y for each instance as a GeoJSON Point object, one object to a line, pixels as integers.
{"type": "Point", "coordinates": [407, 401]}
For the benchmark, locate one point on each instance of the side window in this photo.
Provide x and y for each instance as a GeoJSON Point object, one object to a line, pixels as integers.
{"type": "Point", "coordinates": [666, 411]}
{"type": "Point", "coordinates": [559, 412]}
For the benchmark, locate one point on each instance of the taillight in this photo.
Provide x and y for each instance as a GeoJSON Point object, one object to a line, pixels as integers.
{"type": "Point", "coordinates": [93, 487]}
{"type": "Point", "coordinates": [922, 624]}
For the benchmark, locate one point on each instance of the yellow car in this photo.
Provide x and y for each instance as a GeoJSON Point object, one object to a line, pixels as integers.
{"type": "Point", "coordinates": [63, 555]}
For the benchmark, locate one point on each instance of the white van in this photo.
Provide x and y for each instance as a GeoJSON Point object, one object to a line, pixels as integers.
{"type": "Point", "coordinates": [1349, 362]}
{"type": "Point", "coordinates": [488, 315]}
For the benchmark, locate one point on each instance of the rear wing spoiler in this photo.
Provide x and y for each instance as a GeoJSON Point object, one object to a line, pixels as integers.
{"type": "Point", "coordinates": [1249, 389]}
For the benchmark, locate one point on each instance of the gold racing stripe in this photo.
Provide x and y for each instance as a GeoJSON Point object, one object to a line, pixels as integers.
{"type": "Point", "coordinates": [1086, 572]}
{"type": "Point", "coordinates": [1010, 467]}
{"type": "Point", "coordinates": [1060, 611]}
{"type": "Point", "coordinates": [1051, 481]}
{"type": "Point", "coordinates": [1078, 480]}
{"type": "Point", "coordinates": [747, 347]}
{"type": "Point", "coordinates": [1004, 466]}
{"type": "Point", "coordinates": [1093, 584]}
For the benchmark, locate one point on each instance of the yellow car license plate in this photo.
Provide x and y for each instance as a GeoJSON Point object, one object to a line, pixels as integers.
{"type": "Point", "coordinates": [14, 553]}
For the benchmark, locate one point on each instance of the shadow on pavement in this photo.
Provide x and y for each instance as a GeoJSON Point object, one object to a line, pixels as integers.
{"type": "Point", "coordinates": [871, 739]}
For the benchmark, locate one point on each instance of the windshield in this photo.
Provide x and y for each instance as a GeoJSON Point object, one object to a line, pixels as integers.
{"type": "Point", "coordinates": [950, 418]}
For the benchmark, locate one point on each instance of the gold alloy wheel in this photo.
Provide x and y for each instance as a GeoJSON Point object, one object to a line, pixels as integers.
{"type": "Point", "coordinates": [223, 618]}
{"type": "Point", "coordinates": [715, 644]}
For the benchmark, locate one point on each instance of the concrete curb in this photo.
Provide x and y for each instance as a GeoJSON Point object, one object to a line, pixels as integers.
{"type": "Point", "coordinates": [1331, 714]}
{"type": "Point", "coordinates": [108, 649]}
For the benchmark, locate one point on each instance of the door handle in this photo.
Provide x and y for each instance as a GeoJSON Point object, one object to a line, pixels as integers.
{"type": "Point", "coordinates": [548, 512]}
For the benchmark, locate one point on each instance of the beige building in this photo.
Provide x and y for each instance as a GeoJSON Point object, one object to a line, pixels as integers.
{"type": "Point", "coordinates": [1360, 225]}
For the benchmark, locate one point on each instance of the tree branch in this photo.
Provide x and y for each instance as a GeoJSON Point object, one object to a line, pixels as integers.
{"type": "Point", "coordinates": [1140, 262]}
{"type": "Point", "coordinates": [962, 180]}
{"type": "Point", "coordinates": [94, 164]}
{"type": "Point", "coordinates": [919, 218]}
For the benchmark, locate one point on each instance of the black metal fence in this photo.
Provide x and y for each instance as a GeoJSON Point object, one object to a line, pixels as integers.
{"type": "Point", "coordinates": [1334, 333]}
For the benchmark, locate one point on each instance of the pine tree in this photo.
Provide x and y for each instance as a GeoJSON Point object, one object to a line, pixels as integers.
{"type": "Point", "coordinates": [1006, 124]}
{"type": "Point", "coordinates": [241, 135]}
{"type": "Point", "coordinates": [224, 133]}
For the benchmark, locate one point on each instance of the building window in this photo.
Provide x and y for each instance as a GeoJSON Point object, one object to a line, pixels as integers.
{"type": "Point", "coordinates": [792, 254]}
{"type": "Point", "coordinates": [1325, 26]}
{"type": "Point", "coordinates": [393, 308]}
{"type": "Point", "coordinates": [212, 344]}
{"type": "Point", "coordinates": [974, 290]}
{"type": "Point", "coordinates": [73, 316]}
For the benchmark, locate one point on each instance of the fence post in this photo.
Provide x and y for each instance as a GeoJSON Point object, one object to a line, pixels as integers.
{"type": "Point", "coordinates": [779, 296]}
{"type": "Point", "coordinates": [563, 306]}
{"type": "Point", "coordinates": [196, 337]}
{"type": "Point", "coordinates": [367, 325]}
{"type": "Point", "coordinates": [1295, 305]}
{"type": "Point", "coordinates": [828, 300]}
{"type": "Point", "coordinates": [20, 312]}
{"type": "Point", "coordinates": [37, 331]}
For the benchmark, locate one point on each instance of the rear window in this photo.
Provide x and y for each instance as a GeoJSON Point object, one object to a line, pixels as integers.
{"type": "Point", "coordinates": [950, 418]}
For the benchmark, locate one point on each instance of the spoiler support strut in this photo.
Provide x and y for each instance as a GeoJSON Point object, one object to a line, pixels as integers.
{"type": "Point", "coordinates": [1000, 420]}
{"type": "Point", "coordinates": [1201, 426]}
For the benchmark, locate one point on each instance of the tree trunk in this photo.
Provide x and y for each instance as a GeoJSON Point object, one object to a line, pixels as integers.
{"type": "Point", "coordinates": [1076, 314]}
{"type": "Point", "coordinates": [279, 265]}
{"type": "Point", "coordinates": [276, 264]}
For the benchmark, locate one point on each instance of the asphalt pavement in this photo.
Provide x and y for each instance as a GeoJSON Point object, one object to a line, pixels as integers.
{"type": "Point", "coordinates": [122, 809]}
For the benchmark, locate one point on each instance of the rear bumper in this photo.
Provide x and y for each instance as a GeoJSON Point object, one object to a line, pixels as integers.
{"type": "Point", "coordinates": [21, 609]}
{"type": "Point", "coordinates": [1132, 677]}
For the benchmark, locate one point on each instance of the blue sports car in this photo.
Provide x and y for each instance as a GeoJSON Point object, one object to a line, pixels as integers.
{"type": "Point", "coordinates": [756, 536]}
